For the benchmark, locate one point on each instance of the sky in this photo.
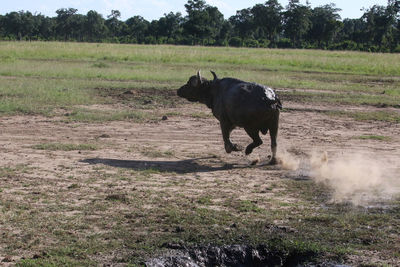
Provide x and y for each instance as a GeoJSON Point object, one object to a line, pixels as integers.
{"type": "Point", "coordinates": [154, 9]}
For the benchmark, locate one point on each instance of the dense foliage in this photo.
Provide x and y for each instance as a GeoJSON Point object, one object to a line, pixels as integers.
{"type": "Point", "coordinates": [263, 25]}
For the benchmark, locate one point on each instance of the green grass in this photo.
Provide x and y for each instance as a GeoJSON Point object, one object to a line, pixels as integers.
{"type": "Point", "coordinates": [205, 200]}
{"type": "Point", "coordinates": [6, 172]}
{"type": "Point", "coordinates": [44, 77]}
{"type": "Point", "coordinates": [40, 96]}
{"type": "Point", "coordinates": [90, 115]}
{"type": "Point", "coordinates": [100, 65]}
{"type": "Point", "coordinates": [201, 115]}
{"type": "Point", "coordinates": [248, 206]}
{"type": "Point", "coordinates": [388, 116]}
{"type": "Point", "coordinates": [64, 147]}
{"type": "Point", "coordinates": [276, 59]}
{"type": "Point", "coordinates": [379, 100]}
{"type": "Point", "coordinates": [10, 172]}
{"type": "Point", "coordinates": [374, 137]}
{"type": "Point", "coordinates": [132, 220]}
{"type": "Point", "coordinates": [384, 115]}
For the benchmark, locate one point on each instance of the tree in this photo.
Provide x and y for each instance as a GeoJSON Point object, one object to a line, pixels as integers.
{"type": "Point", "coordinates": [13, 25]}
{"type": "Point", "coordinates": [19, 25]}
{"type": "Point", "coordinates": [243, 23]}
{"type": "Point", "coordinates": [380, 21]}
{"type": "Point", "coordinates": [354, 30]}
{"type": "Point", "coordinates": [195, 27]}
{"type": "Point", "coordinates": [45, 27]}
{"type": "Point", "coordinates": [195, 5]}
{"type": "Point", "coordinates": [268, 19]}
{"type": "Point", "coordinates": [395, 8]}
{"type": "Point", "coordinates": [297, 22]}
{"type": "Point", "coordinates": [137, 29]}
{"type": "Point", "coordinates": [224, 34]}
{"type": "Point", "coordinates": [215, 22]}
{"type": "Point", "coordinates": [29, 27]}
{"type": "Point", "coordinates": [203, 22]}
{"type": "Point", "coordinates": [95, 29]}
{"type": "Point", "coordinates": [262, 25]}
{"type": "Point", "coordinates": [169, 26]}
{"type": "Point", "coordinates": [114, 25]}
{"type": "Point", "coordinates": [397, 34]}
{"type": "Point", "coordinates": [2, 21]}
{"type": "Point", "coordinates": [325, 24]}
{"type": "Point", "coordinates": [69, 24]}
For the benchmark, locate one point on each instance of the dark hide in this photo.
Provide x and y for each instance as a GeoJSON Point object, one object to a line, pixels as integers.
{"type": "Point", "coordinates": [236, 103]}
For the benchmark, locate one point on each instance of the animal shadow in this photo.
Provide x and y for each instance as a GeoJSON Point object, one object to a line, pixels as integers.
{"type": "Point", "coordinates": [206, 164]}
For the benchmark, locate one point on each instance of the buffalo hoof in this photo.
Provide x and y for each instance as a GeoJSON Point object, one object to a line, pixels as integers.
{"type": "Point", "coordinates": [228, 149]}
{"type": "Point", "coordinates": [274, 161]}
{"type": "Point", "coordinates": [233, 147]}
{"type": "Point", "coordinates": [248, 150]}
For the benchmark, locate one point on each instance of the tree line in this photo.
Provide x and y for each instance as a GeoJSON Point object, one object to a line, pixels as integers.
{"type": "Point", "coordinates": [263, 25]}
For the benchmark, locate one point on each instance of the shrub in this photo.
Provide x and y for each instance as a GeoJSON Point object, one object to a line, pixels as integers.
{"type": "Point", "coordinates": [373, 48]}
{"type": "Point", "coordinates": [251, 43]}
{"type": "Point", "coordinates": [171, 40]}
{"type": "Point", "coordinates": [150, 40]}
{"type": "Point", "coordinates": [264, 43]}
{"type": "Point", "coordinates": [345, 45]}
{"type": "Point", "coordinates": [397, 49]}
{"type": "Point", "coordinates": [236, 41]}
{"type": "Point", "coordinates": [284, 43]}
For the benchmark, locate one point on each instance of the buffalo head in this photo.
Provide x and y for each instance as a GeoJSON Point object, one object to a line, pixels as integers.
{"type": "Point", "coordinates": [197, 89]}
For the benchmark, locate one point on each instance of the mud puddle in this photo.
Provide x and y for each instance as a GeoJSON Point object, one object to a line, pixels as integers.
{"type": "Point", "coordinates": [234, 255]}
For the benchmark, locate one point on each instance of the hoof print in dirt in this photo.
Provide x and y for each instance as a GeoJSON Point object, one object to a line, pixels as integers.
{"type": "Point", "coordinates": [105, 136]}
{"type": "Point", "coordinates": [130, 92]}
{"type": "Point", "coordinates": [179, 229]}
{"type": "Point", "coordinates": [254, 162]}
{"type": "Point", "coordinates": [237, 148]}
{"type": "Point", "coordinates": [7, 259]}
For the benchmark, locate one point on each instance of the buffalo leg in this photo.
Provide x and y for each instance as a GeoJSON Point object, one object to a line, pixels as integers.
{"type": "Point", "coordinates": [273, 132]}
{"type": "Point", "coordinates": [256, 140]}
{"type": "Point", "coordinates": [226, 129]}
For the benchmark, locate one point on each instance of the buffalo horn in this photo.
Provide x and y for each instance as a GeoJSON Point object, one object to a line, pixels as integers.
{"type": "Point", "coordinates": [199, 76]}
{"type": "Point", "coordinates": [215, 75]}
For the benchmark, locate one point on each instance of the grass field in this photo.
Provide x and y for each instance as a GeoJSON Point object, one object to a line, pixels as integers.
{"type": "Point", "coordinates": [38, 78]}
{"type": "Point", "coordinates": [91, 175]}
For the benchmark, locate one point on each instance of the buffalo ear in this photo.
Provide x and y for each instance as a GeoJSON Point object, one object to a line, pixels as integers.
{"type": "Point", "coordinates": [215, 75]}
{"type": "Point", "coordinates": [195, 81]}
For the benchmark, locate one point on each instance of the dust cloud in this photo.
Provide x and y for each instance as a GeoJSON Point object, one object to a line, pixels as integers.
{"type": "Point", "coordinates": [356, 178]}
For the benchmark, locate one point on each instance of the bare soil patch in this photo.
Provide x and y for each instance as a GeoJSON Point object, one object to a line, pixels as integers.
{"type": "Point", "coordinates": [143, 98]}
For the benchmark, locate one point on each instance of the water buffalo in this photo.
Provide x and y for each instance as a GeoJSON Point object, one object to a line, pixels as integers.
{"type": "Point", "coordinates": [236, 103]}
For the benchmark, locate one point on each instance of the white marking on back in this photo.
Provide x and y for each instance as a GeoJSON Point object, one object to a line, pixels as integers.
{"type": "Point", "coordinates": [269, 93]}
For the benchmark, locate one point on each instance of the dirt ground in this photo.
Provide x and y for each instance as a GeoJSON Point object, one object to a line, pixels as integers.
{"type": "Point", "coordinates": [192, 143]}
{"type": "Point", "coordinates": [187, 145]}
